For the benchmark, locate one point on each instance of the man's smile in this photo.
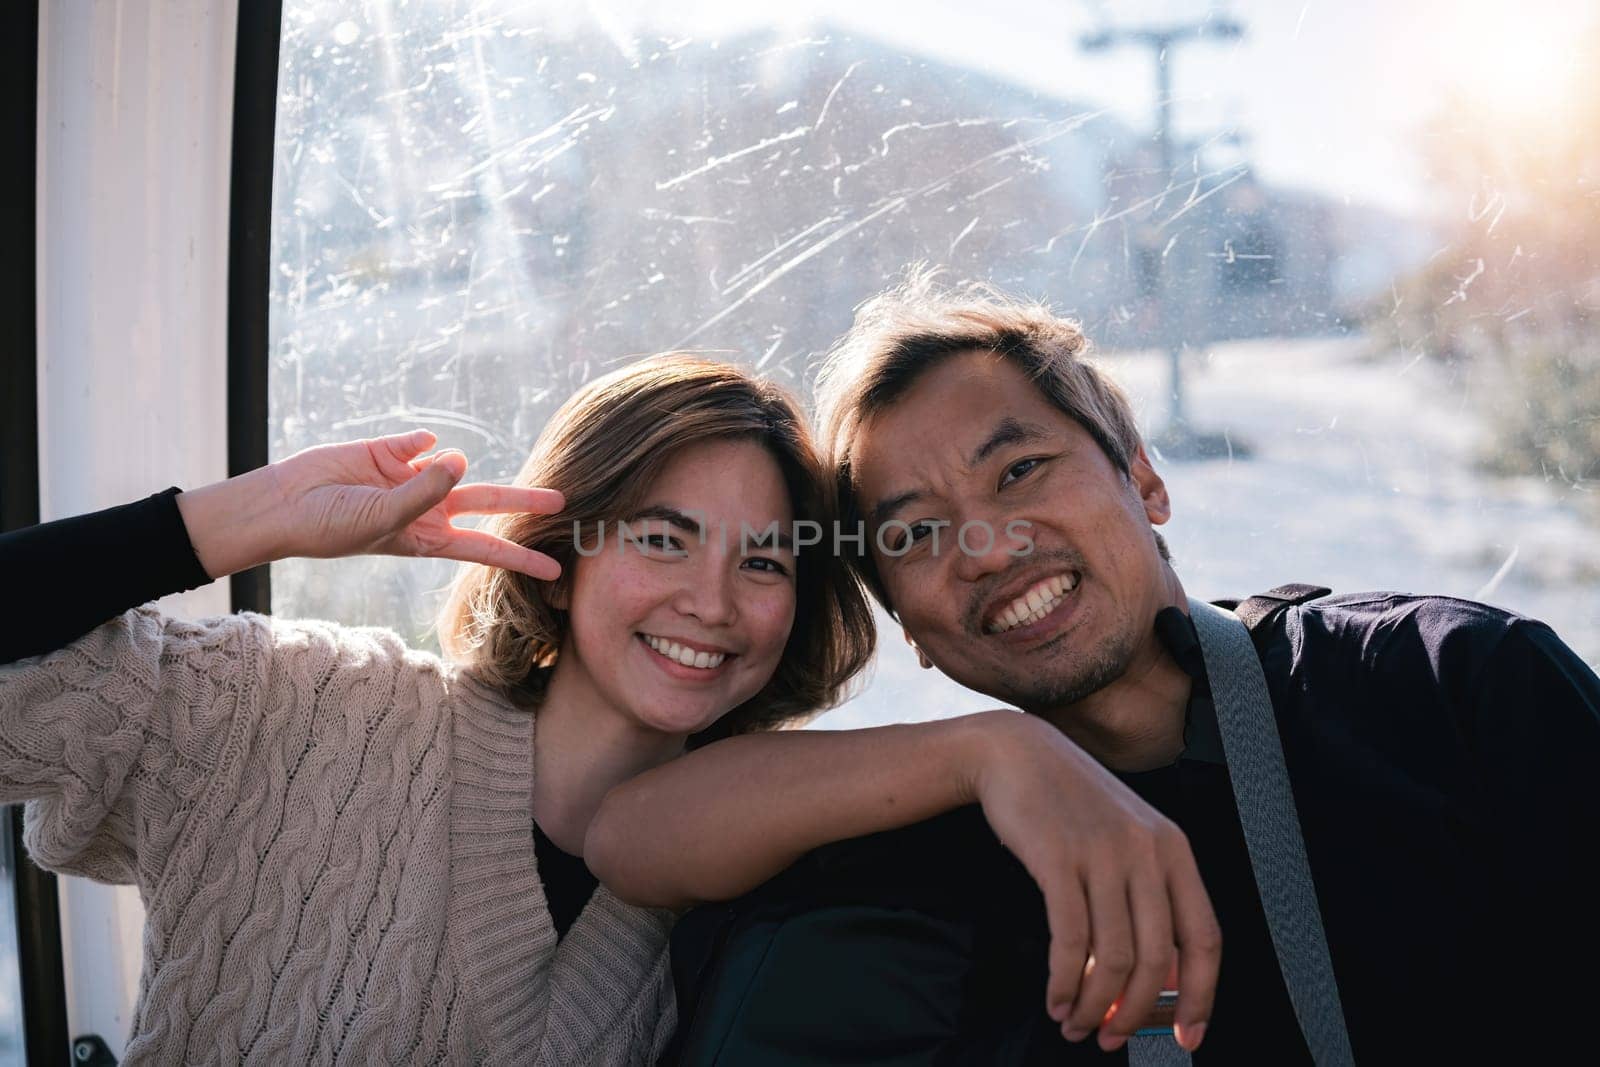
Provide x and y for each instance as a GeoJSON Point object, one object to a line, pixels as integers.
{"type": "Point", "coordinates": [1032, 605]}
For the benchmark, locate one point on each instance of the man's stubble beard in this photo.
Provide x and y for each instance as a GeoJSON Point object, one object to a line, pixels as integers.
{"type": "Point", "coordinates": [1045, 692]}
{"type": "Point", "coordinates": [1048, 692]}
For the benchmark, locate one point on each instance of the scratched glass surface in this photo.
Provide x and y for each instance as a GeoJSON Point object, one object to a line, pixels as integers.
{"type": "Point", "coordinates": [1342, 256]}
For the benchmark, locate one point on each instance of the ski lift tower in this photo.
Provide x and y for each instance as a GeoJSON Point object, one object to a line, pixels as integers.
{"type": "Point", "coordinates": [1178, 438]}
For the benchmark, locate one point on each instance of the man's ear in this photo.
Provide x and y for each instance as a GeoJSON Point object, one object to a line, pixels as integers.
{"type": "Point", "coordinates": [921, 657]}
{"type": "Point", "coordinates": [1152, 490]}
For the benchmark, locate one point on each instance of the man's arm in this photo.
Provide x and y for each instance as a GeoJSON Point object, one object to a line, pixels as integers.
{"type": "Point", "coordinates": [1536, 733]}
{"type": "Point", "coordinates": [1116, 875]}
{"type": "Point", "coordinates": [1536, 736]}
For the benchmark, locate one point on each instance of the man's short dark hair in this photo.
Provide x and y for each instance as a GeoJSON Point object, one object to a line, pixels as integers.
{"type": "Point", "coordinates": [904, 332]}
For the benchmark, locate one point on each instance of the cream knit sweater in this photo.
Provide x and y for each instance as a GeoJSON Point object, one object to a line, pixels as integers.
{"type": "Point", "coordinates": [333, 839]}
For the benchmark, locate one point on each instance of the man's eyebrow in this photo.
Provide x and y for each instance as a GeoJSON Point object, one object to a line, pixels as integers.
{"type": "Point", "coordinates": [889, 505]}
{"type": "Point", "coordinates": [1009, 431]}
{"type": "Point", "coordinates": [670, 514]}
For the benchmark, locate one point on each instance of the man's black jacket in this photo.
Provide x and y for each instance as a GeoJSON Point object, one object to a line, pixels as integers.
{"type": "Point", "coordinates": [1443, 757]}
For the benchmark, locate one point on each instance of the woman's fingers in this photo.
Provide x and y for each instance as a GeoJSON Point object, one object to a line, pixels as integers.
{"type": "Point", "coordinates": [482, 498]}
{"type": "Point", "coordinates": [488, 498]}
{"type": "Point", "coordinates": [1111, 935]}
{"type": "Point", "coordinates": [1067, 911]}
{"type": "Point", "coordinates": [394, 450]}
{"type": "Point", "coordinates": [1199, 941]}
{"type": "Point", "coordinates": [415, 497]}
{"type": "Point", "coordinates": [476, 546]}
{"type": "Point", "coordinates": [1153, 952]}
{"type": "Point", "coordinates": [422, 462]}
{"type": "Point", "coordinates": [405, 446]}
{"type": "Point", "coordinates": [431, 481]}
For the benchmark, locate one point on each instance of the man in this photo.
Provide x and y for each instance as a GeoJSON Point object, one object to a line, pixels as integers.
{"type": "Point", "coordinates": [1439, 751]}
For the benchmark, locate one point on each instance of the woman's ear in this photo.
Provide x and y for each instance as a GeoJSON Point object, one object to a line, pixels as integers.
{"type": "Point", "coordinates": [558, 594]}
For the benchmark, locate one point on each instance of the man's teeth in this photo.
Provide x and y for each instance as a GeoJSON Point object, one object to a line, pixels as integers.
{"type": "Point", "coordinates": [1034, 604]}
{"type": "Point", "coordinates": [686, 656]}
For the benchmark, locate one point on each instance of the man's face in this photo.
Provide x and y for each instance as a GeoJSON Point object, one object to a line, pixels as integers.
{"type": "Point", "coordinates": [973, 443]}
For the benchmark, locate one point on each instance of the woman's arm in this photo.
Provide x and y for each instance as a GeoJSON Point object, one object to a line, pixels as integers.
{"type": "Point", "coordinates": [69, 576]}
{"type": "Point", "coordinates": [375, 497]}
{"type": "Point", "coordinates": [66, 577]}
{"type": "Point", "coordinates": [119, 731]}
{"type": "Point", "coordinates": [101, 722]}
{"type": "Point", "coordinates": [1114, 872]}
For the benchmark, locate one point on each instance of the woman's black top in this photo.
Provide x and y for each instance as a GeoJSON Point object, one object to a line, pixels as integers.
{"type": "Point", "coordinates": [64, 578]}
{"type": "Point", "coordinates": [568, 885]}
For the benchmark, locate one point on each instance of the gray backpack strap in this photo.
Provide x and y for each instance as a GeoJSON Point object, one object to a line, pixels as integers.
{"type": "Point", "coordinates": [1272, 830]}
{"type": "Point", "coordinates": [1156, 1050]}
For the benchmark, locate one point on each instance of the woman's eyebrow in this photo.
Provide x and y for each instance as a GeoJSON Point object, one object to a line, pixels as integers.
{"type": "Point", "coordinates": [667, 513]}
{"type": "Point", "coordinates": [771, 536]}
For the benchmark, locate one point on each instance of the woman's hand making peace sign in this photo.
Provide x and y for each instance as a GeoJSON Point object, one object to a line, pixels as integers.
{"type": "Point", "coordinates": [382, 496]}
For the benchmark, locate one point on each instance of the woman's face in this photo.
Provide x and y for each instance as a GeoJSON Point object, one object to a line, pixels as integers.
{"type": "Point", "coordinates": [680, 615]}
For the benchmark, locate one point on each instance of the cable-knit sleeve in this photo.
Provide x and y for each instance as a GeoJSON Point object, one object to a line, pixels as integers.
{"type": "Point", "coordinates": [114, 738]}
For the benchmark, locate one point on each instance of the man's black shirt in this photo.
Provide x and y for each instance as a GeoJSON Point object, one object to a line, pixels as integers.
{"type": "Point", "coordinates": [1441, 755]}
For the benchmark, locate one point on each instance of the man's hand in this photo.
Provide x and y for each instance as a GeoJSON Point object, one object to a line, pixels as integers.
{"type": "Point", "coordinates": [378, 496]}
{"type": "Point", "coordinates": [1123, 896]}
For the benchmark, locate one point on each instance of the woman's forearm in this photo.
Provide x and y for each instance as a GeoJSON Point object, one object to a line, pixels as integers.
{"type": "Point", "coordinates": [718, 822]}
{"type": "Point", "coordinates": [235, 524]}
{"type": "Point", "coordinates": [137, 553]}
{"type": "Point", "coordinates": [376, 496]}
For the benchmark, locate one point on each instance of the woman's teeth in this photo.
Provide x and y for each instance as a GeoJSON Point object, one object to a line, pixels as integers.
{"type": "Point", "coordinates": [1040, 600]}
{"type": "Point", "coordinates": [686, 656]}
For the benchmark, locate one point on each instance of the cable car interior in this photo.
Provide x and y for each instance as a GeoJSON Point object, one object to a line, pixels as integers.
{"type": "Point", "coordinates": [1341, 256]}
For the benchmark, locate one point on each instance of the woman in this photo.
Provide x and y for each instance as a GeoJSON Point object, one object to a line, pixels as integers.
{"type": "Point", "coordinates": [349, 850]}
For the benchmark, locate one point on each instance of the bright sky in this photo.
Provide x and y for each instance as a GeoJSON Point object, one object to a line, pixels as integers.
{"type": "Point", "coordinates": [1330, 95]}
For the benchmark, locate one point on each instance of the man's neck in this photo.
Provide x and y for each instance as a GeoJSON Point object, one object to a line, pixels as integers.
{"type": "Point", "coordinates": [1137, 722]}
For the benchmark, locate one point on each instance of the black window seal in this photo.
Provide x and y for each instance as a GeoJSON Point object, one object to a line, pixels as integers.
{"type": "Point", "coordinates": [41, 967]}
{"type": "Point", "coordinates": [255, 107]}
{"type": "Point", "coordinates": [41, 971]}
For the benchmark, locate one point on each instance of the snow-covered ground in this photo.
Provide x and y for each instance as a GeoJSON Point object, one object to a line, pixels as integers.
{"type": "Point", "coordinates": [1361, 477]}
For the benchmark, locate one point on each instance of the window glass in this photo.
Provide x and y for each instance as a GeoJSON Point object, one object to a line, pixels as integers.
{"type": "Point", "coordinates": [12, 1046]}
{"type": "Point", "coordinates": [1342, 256]}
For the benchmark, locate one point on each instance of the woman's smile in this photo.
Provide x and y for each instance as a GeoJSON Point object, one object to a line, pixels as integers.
{"type": "Point", "coordinates": [685, 660]}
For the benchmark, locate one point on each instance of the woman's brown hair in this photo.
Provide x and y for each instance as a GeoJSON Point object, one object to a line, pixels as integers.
{"type": "Point", "coordinates": [602, 449]}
